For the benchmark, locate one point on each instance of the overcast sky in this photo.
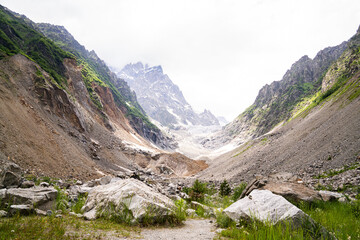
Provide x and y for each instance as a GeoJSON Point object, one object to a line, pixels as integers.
{"type": "Point", "coordinates": [220, 53]}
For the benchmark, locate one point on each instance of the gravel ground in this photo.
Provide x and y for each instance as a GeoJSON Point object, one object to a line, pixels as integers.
{"type": "Point", "coordinates": [192, 229]}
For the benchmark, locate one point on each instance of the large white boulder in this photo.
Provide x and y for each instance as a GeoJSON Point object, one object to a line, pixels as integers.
{"type": "Point", "coordinates": [265, 206]}
{"type": "Point", "coordinates": [131, 194]}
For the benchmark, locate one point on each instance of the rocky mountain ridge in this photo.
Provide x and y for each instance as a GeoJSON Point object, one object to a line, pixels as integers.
{"type": "Point", "coordinates": [319, 142]}
{"type": "Point", "coordinates": [276, 102]}
{"type": "Point", "coordinates": [161, 99]}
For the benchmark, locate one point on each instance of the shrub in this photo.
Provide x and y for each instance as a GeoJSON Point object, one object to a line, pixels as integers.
{"type": "Point", "coordinates": [197, 191]}
{"type": "Point", "coordinates": [62, 200]}
{"type": "Point", "coordinates": [225, 189]}
{"type": "Point", "coordinates": [238, 190]}
{"type": "Point", "coordinates": [180, 210]}
{"type": "Point", "coordinates": [223, 221]}
{"type": "Point", "coordinates": [76, 206]}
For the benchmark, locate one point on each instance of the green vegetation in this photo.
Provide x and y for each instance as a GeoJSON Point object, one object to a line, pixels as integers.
{"type": "Point", "coordinates": [180, 209]}
{"type": "Point", "coordinates": [19, 37]}
{"type": "Point", "coordinates": [77, 205]}
{"type": "Point", "coordinates": [225, 189]}
{"type": "Point", "coordinates": [16, 36]}
{"type": "Point", "coordinates": [67, 227]}
{"type": "Point", "coordinates": [62, 200]}
{"type": "Point", "coordinates": [339, 219]}
{"type": "Point", "coordinates": [96, 72]}
{"type": "Point", "coordinates": [331, 172]}
{"type": "Point", "coordinates": [197, 191]}
{"type": "Point", "coordinates": [238, 191]}
{"type": "Point", "coordinates": [244, 149]}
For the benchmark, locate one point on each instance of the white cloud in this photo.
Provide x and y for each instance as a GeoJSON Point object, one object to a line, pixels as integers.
{"type": "Point", "coordinates": [220, 53]}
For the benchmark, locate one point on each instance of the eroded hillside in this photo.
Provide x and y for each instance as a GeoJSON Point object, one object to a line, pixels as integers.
{"type": "Point", "coordinates": [322, 132]}
{"type": "Point", "coordinates": [63, 114]}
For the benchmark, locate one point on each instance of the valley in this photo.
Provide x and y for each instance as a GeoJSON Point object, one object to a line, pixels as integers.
{"type": "Point", "coordinates": [114, 150]}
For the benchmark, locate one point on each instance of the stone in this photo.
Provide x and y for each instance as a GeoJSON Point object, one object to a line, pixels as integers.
{"type": "Point", "coordinates": [190, 212]}
{"type": "Point", "coordinates": [266, 207]}
{"type": "Point", "coordinates": [49, 212]}
{"type": "Point", "coordinates": [3, 193]}
{"type": "Point", "coordinates": [3, 213]}
{"type": "Point", "coordinates": [21, 209]}
{"type": "Point", "coordinates": [295, 191]}
{"type": "Point", "coordinates": [40, 212]}
{"type": "Point", "coordinates": [42, 198]}
{"type": "Point", "coordinates": [134, 194]}
{"type": "Point", "coordinates": [78, 182]}
{"type": "Point", "coordinates": [27, 184]}
{"type": "Point", "coordinates": [76, 214]}
{"type": "Point", "coordinates": [10, 175]}
{"type": "Point", "coordinates": [58, 216]}
{"type": "Point", "coordinates": [44, 184]}
{"type": "Point", "coordinates": [330, 196]}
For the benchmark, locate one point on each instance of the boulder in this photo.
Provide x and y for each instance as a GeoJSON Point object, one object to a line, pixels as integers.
{"type": "Point", "coordinates": [283, 184]}
{"type": "Point", "coordinates": [3, 213]}
{"type": "Point", "coordinates": [330, 196]}
{"type": "Point", "coordinates": [131, 195]}
{"type": "Point", "coordinates": [265, 206]}
{"type": "Point", "coordinates": [21, 209]}
{"type": "Point", "coordinates": [293, 191]}
{"type": "Point", "coordinates": [10, 175]}
{"type": "Point", "coordinates": [42, 198]}
{"type": "Point", "coordinates": [27, 184]}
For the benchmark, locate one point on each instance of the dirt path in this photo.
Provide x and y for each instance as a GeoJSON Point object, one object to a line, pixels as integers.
{"type": "Point", "coordinates": [197, 229]}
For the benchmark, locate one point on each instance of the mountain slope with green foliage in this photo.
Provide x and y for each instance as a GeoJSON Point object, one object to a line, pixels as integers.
{"type": "Point", "coordinates": [16, 36]}
{"type": "Point", "coordinates": [276, 102]}
{"type": "Point", "coordinates": [123, 96]}
{"type": "Point", "coordinates": [49, 45]}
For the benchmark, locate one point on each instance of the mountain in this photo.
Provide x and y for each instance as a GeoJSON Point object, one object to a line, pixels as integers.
{"type": "Point", "coordinates": [276, 102]}
{"type": "Point", "coordinates": [64, 114]}
{"type": "Point", "coordinates": [321, 134]}
{"type": "Point", "coordinates": [161, 99]}
{"type": "Point", "coordinates": [124, 97]}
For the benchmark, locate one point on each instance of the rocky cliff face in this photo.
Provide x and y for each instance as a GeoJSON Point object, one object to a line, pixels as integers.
{"type": "Point", "coordinates": [161, 98]}
{"type": "Point", "coordinates": [276, 102]}
{"type": "Point", "coordinates": [124, 97]}
{"type": "Point", "coordinates": [320, 143]}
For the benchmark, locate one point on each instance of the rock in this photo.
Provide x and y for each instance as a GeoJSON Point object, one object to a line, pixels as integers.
{"type": "Point", "coordinates": [40, 212]}
{"type": "Point", "coordinates": [58, 216]}
{"type": "Point", "coordinates": [190, 212]}
{"type": "Point", "coordinates": [78, 182]}
{"type": "Point", "coordinates": [293, 191]}
{"type": "Point", "coordinates": [330, 196]}
{"type": "Point", "coordinates": [3, 213]}
{"type": "Point", "coordinates": [49, 212]}
{"type": "Point", "coordinates": [264, 206]}
{"type": "Point", "coordinates": [76, 214]}
{"type": "Point", "coordinates": [254, 184]}
{"type": "Point", "coordinates": [10, 175]}
{"type": "Point", "coordinates": [44, 184]}
{"type": "Point", "coordinates": [21, 209]}
{"type": "Point", "coordinates": [2, 193]}
{"type": "Point", "coordinates": [132, 193]}
{"type": "Point", "coordinates": [270, 208]}
{"type": "Point", "coordinates": [42, 198]}
{"type": "Point", "coordinates": [121, 175]}
{"type": "Point", "coordinates": [27, 184]}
